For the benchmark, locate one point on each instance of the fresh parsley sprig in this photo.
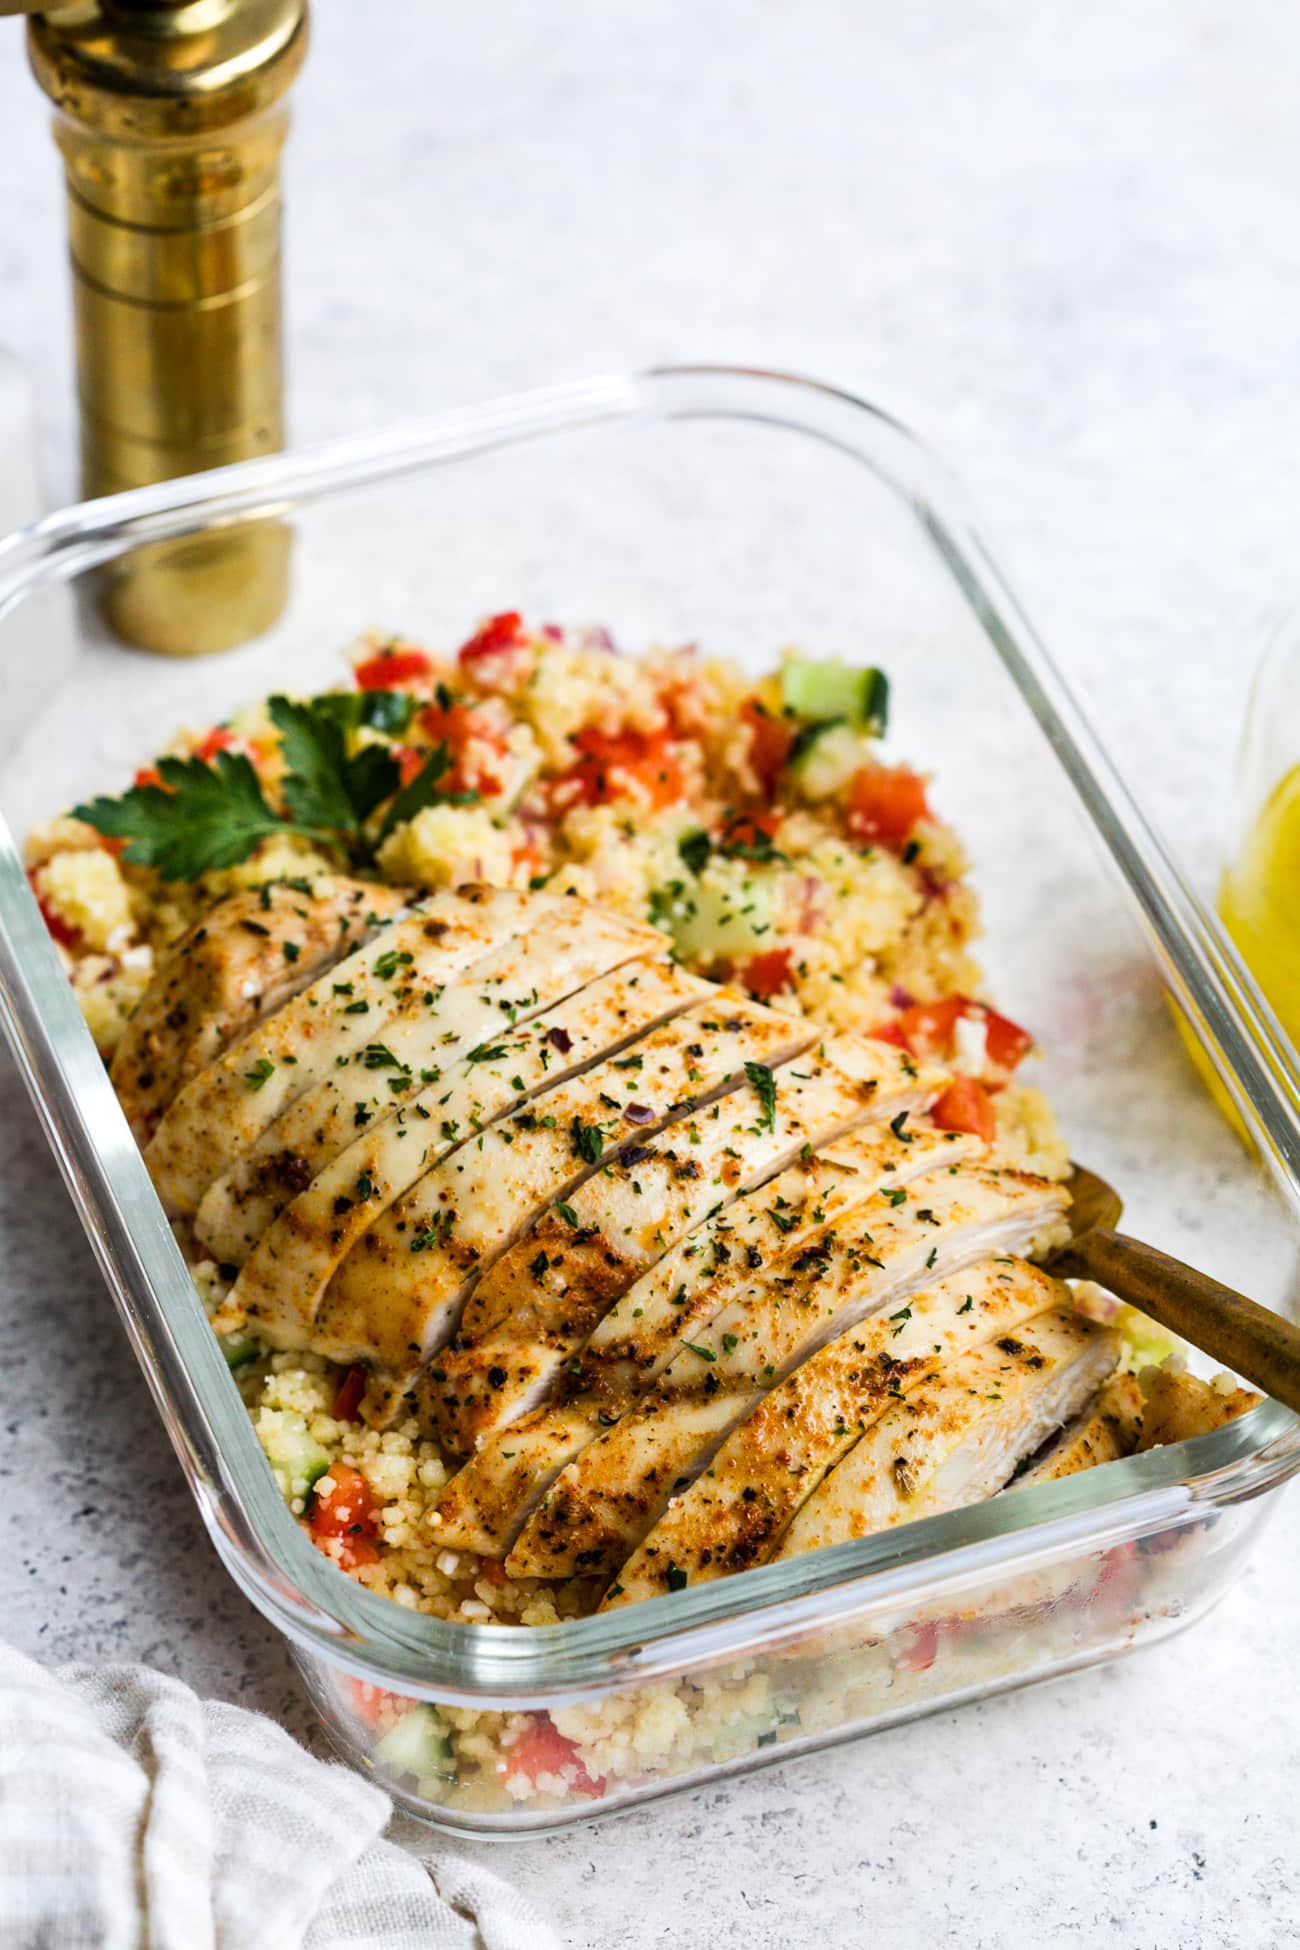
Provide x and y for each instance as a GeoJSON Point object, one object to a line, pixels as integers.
{"type": "Point", "coordinates": [204, 815]}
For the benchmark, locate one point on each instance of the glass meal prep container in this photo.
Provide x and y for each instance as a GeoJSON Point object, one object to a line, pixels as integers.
{"type": "Point", "coordinates": [746, 511]}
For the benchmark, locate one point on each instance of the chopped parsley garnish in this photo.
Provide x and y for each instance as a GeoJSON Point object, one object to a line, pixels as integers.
{"type": "Point", "coordinates": [898, 1126]}
{"type": "Point", "coordinates": [260, 1071]}
{"type": "Point", "coordinates": [567, 1213]}
{"type": "Point", "coordinates": [695, 849]}
{"type": "Point", "coordinates": [705, 1353]}
{"type": "Point", "coordinates": [588, 1141]}
{"type": "Point", "coordinates": [764, 1084]}
{"type": "Point", "coordinates": [676, 1578]}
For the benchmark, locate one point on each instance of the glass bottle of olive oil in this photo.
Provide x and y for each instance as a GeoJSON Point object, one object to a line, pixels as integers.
{"type": "Point", "coordinates": [1259, 895]}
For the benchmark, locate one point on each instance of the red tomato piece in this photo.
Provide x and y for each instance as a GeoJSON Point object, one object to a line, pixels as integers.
{"type": "Point", "coordinates": [966, 1106]}
{"type": "Point", "coordinates": [613, 761]}
{"type": "Point", "coordinates": [60, 930]}
{"type": "Point", "coordinates": [390, 668]}
{"type": "Point", "coordinates": [920, 1648]}
{"type": "Point", "coordinates": [769, 974]}
{"type": "Point", "coordinates": [348, 1513]}
{"type": "Point", "coordinates": [750, 830]}
{"type": "Point", "coordinates": [885, 803]}
{"type": "Point", "coordinates": [769, 745]}
{"type": "Point", "coordinates": [457, 726]}
{"type": "Point", "coordinates": [369, 1701]}
{"type": "Point", "coordinates": [542, 1749]}
{"type": "Point", "coordinates": [930, 1029]}
{"type": "Point", "coordinates": [217, 740]}
{"type": "Point", "coordinates": [499, 633]}
{"type": "Point", "coordinates": [351, 1389]}
{"type": "Point", "coordinates": [149, 775]}
{"type": "Point", "coordinates": [890, 1032]}
{"type": "Point", "coordinates": [409, 762]}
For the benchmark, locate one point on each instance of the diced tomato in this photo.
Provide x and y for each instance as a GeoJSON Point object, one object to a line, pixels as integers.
{"type": "Point", "coordinates": [409, 762]}
{"type": "Point", "coordinates": [750, 832]}
{"type": "Point", "coordinates": [890, 1032]}
{"type": "Point", "coordinates": [966, 1106]}
{"type": "Point", "coordinates": [613, 761]}
{"type": "Point", "coordinates": [542, 1749]}
{"type": "Point", "coordinates": [351, 1389]}
{"type": "Point", "coordinates": [885, 803]}
{"type": "Point", "coordinates": [930, 1029]}
{"type": "Point", "coordinates": [769, 745]}
{"type": "Point", "coordinates": [389, 669]}
{"type": "Point", "coordinates": [149, 775]}
{"type": "Point", "coordinates": [920, 1647]}
{"type": "Point", "coordinates": [369, 1701]}
{"type": "Point", "coordinates": [457, 726]}
{"type": "Point", "coordinates": [348, 1513]}
{"type": "Point", "coordinates": [219, 739]}
{"type": "Point", "coordinates": [768, 974]}
{"type": "Point", "coordinates": [499, 633]}
{"type": "Point", "coordinates": [1006, 1041]}
{"type": "Point", "coordinates": [61, 931]}
{"type": "Point", "coordinates": [527, 856]}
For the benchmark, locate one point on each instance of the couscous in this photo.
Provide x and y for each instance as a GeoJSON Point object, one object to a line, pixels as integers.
{"type": "Point", "coordinates": [724, 832]}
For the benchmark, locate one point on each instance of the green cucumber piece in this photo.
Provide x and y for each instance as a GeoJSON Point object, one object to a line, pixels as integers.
{"type": "Point", "coordinates": [822, 692]}
{"type": "Point", "coordinates": [239, 1350]}
{"type": "Point", "coordinates": [418, 1744]}
{"type": "Point", "coordinates": [712, 923]}
{"type": "Point", "coordinates": [828, 760]}
{"type": "Point", "coordinates": [292, 1450]}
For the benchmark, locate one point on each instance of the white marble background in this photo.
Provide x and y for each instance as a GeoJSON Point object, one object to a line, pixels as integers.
{"type": "Point", "coordinates": [1061, 243]}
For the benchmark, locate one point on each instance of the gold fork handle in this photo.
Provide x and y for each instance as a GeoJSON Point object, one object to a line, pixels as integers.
{"type": "Point", "coordinates": [1248, 1338]}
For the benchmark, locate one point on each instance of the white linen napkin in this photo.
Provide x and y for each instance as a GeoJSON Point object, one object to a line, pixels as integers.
{"type": "Point", "coordinates": [134, 1814]}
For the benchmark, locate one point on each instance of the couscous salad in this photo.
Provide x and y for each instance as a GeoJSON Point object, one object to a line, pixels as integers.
{"type": "Point", "coordinates": [570, 1082]}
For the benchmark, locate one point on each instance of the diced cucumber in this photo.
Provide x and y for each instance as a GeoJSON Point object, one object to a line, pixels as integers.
{"type": "Point", "coordinates": [291, 1448]}
{"type": "Point", "coordinates": [419, 1744]}
{"type": "Point", "coordinates": [827, 761]}
{"type": "Point", "coordinates": [716, 922]}
{"type": "Point", "coordinates": [239, 1349]}
{"type": "Point", "coordinates": [820, 692]}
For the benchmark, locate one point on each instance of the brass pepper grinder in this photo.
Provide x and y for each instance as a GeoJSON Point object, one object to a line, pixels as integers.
{"type": "Point", "coordinates": [171, 116]}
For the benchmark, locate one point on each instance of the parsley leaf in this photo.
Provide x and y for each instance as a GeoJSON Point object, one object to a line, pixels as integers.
{"type": "Point", "coordinates": [323, 786]}
{"type": "Point", "coordinates": [260, 1071]}
{"type": "Point", "coordinates": [764, 1084]}
{"type": "Point", "coordinates": [588, 1141]}
{"type": "Point", "coordinates": [695, 849]}
{"type": "Point", "coordinates": [201, 819]}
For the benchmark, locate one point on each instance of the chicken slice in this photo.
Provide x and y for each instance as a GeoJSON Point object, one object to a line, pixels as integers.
{"type": "Point", "coordinates": [735, 1513]}
{"type": "Point", "coordinates": [1106, 1429]}
{"type": "Point", "coordinates": [220, 1113]}
{"type": "Point", "coordinates": [1177, 1406]}
{"type": "Point", "coordinates": [611, 1497]}
{"type": "Point", "coordinates": [488, 1500]}
{"type": "Point", "coordinates": [538, 1305]}
{"type": "Point", "coordinates": [954, 1439]}
{"type": "Point", "coordinates": [285, 1276]}
{"type": "Point", "coordinates": [362, 1079]}
{"type": "Point", "coordinates": [233, 968]}
{"type": "Point", "coordinates": [399, 1291]}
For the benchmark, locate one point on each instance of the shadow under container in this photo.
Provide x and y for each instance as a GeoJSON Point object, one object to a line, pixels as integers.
{"type": "Point", "coordinates": [743, 510]}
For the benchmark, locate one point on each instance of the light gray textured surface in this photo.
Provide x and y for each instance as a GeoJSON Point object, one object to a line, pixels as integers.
{"type": "Point", "coordinates": [1063, 245]}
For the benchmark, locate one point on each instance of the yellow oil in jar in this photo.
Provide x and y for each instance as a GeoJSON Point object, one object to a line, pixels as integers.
{"type": "Point", "coordinates": [1259, 900]}
{"type": "Point", "coordinates": [1259, 904]}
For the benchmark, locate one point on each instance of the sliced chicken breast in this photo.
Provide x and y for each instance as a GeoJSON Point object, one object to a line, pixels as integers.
{"type": "Point", "coordinates": [614, 1493]}
{"type": "Point", "coordinates": [954, 1439]}
{"type": "Point", "coordinates": [295, 1259]}
{"type": "Point", "coordinates": [488, 1500]}
{"type": "Point", "coordinates": [543, 1298]}
{"type": "Point", "coordinates": [389, 979]}
{"type": "Point", "coordinates": [401, 1288]}
{"type": "Point", "coordinates": [360, 1080]}
{"type": "Point", "coordinates": [736, 1512]}
{"type": "Point", "coordinates": [1106, 1429]}
{"type": "Point", "coordinates": [1177, 1406]}
{"type": "Point", "coordinates": [244, 958]}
